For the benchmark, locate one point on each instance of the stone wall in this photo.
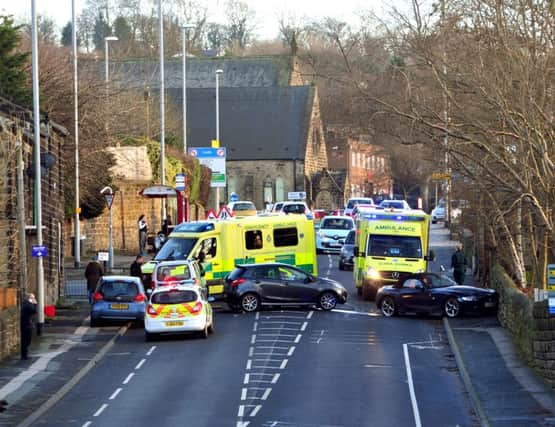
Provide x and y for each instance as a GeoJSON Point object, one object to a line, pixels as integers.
{"type": "Point", "coordinates": [530, 325]}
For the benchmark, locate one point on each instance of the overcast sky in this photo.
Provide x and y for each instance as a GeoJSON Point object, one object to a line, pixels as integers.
{"type": "Point", "coordinates": [267, 11]}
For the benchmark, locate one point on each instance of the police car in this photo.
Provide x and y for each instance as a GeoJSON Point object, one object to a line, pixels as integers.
{"type": "Point", "coordinates": [178, 309]}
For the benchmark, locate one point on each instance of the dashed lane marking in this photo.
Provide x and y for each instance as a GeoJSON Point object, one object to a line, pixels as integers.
{"type": "Point", "coordinates": [140, 364]}
{"type": "Point", "coordinates": [100, 410]}
{"type": "Point", "coordinates": [115, 393]}
{"type": "Point", "coordinates": [87, 424]}
{"type": "Point", "coordinates": [126, 380]}
{"type": "Point", "coordinates": [149, 352]}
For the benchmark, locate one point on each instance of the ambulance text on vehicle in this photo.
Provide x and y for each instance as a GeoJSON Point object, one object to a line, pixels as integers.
{"type": "Point", "coordinates": [221, 244]}
{"type": "Point", "coordinates": [389, 245]}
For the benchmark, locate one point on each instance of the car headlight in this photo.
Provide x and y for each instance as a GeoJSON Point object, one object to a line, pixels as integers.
{"type": "Point", "coordinates": [420, 271]}
{"type": "Point", "coordinates": [469, 299]}
{"type": "Point", "coordinates": [321, 234]}
{"type": "Point", "coordinates": [373, 274]}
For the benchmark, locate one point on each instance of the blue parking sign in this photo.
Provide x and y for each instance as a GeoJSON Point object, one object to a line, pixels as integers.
{"type": "Point", "coordinates": [39, 251]}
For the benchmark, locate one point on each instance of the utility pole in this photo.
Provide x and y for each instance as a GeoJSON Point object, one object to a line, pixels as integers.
{"type": "Point", "coordinates": [21, 218]}
{"type": "Point", "coordinates": [162, 109]}
{"type": "Point", "coordinates": [77, 235]}
{"type": "Point", "coordinates": [446, 122]}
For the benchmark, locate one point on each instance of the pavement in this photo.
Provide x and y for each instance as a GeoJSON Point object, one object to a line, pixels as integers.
{"type": "Point", "coordinates": [502, 390]}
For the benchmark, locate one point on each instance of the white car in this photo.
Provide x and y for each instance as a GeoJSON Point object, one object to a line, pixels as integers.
{"type": "Point", "coordinates": [438, 213]}
{"type": "Point", "coordinates": [178, 309]}
{"type": "Point", "coordinates": [394, 204]}
{"type": "Point", "coordinates": [242, 208]}
{"type": "Point", "coordinates": [295, 208]}
{"type": "Point", "coordinates": [332, 233]}
{"type": "Point", "coordinates": [353, 201]}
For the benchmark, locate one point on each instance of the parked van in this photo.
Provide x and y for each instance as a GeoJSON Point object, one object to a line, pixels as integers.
{"type": "Point", "coordinates": [388, 247]}
{"type": "Point", "coordinates": [220, 244]}
{"type": "Point", "coordinates": [353, 201]}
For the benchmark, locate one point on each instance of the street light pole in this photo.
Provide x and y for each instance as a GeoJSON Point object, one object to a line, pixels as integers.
{"type": "Point", "coordinates": [218, 72]}
{"type": "Point", "coordinates": [162, 108]}
{"type": "Point", "coordinates": [36, 155]}
{"type": "Point", "coordinates": [77, 233]}
{"type": "Point", "coordinates": [109, 194]}
{"type": "Point", "coordinates": [106, 68]}
{"type": "Point", "coordinates": [184, 29]}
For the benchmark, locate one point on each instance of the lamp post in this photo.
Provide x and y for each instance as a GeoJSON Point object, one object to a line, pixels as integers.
{"type": "Point", "coordinates": [77, 232]}
{"type": "Point", "coordinates": [36, 156]}
{"type": "Point", "coordinates": [184, 29]}
{"type": "Point", "coordinates": [106, 70]}
{"type": "Point", "coordinates": [218, 72]}
{"type": "Point", "coordinates": [109, 195]}
{"type": "Point", "coordinates": [162, 108]}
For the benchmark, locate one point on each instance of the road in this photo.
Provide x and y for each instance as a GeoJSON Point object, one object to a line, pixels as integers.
{"type": "Point", "coordinates": [349, 367]}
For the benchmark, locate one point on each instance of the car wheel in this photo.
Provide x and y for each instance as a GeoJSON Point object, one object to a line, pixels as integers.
{"type": "Point", "coordinates": [204, 333]}
{"type": "Point", "coordinates": [250, 302]}
{"type": "Point", "coordinates": [327, 301]}
{"type": "Point", "coordinates": [211, 327]}
{"type": "Point", "coordinates": [388, 307]}
{"type": "Point", "coordinates": [452, 308]}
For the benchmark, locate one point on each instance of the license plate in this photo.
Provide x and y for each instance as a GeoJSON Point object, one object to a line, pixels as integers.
{"type": "Point", "coordinates": [175, 323]}
{"type": "Point", "coordinates": [119, 306]}
{"type": "Point", "coordinates": [489, 304]}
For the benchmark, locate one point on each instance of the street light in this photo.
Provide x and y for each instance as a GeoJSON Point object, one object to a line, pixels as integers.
{"type": "Point", "coordinates": [218, 72]}
{"type": "Point", "coordinates": [77, 233]}
{"type": "Point", "coordinates": [162, 108]}
{"type": "Point", "coordinates": [36, 155]}
{"type": "Point", "coordinates": [106, 40]}
{"type": "Point", "coordinates": [184, 29]}
{"type": "Point", "coordinates": [109, 195]}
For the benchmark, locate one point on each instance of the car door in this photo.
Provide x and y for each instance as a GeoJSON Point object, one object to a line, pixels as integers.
{"type": "Point", "coordinates": [299, 286]}
{"type": "Point", "coordinates": [268, 280]}
{"type": "Point", "coordinates": [415, 296]}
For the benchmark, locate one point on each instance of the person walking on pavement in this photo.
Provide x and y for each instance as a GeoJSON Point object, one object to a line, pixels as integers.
{"type": "Point", "coordinates": [143, 230]}
{"type": "Point", "coordinates": [135, 269]}
{"type": "Point", "coordinates": [28, 310]}
{"type": "Point", "coordinates": [458, 264]}
{"type": "Point", "coordinates": [93, 273]}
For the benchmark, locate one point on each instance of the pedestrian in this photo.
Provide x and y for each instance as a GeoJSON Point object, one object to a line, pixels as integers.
{"type": "Point", "coordinates": [93, 273]}
{"type": "Point", "coordinates": [135, 269]}
{"type": "Point", "coordinates": [143, 230]}
{"type": "Point", "coordinates": [458, 264]}
{"type": "Point", "coordinates": [166, 224]}
{"type": "Point", "coordinates": [28, 310]}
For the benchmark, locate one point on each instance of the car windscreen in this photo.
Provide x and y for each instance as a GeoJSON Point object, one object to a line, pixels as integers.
{"type": "Point", "coordinates": [294, 209]}
{"type": "Point", "coordinates": [120, 290]}
{"type": "Point", "coordinates": [244, 207]}
{"type": "Point", "coordinates": [236, 273]}
{"type": "Point", "coordinates": [176, 248]}
{"type": "Point", "coordinates": [441, 281]}
{"type": "Point", "coordinates": [175, 272]}
{"type": "Point", "coordinates": [336, 224]}
{"type": "Point", "coordinates": [351, 204]}
{"type": "Point", "coordinates": [394, 246]}
{"type": "Point", "coordinates": [350, 239]}
{"type": "Point", "coordinates": [173, 297]}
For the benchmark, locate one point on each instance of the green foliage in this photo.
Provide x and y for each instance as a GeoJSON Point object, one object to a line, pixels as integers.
{"type": "Point", "coordinates": [13, 84]}
{"type": "Point", "coordinates": [66, 35]}
{"type": "Point", "coordinates": [101, 29]}
{"type": "Point", "coordinates": [122, 30]}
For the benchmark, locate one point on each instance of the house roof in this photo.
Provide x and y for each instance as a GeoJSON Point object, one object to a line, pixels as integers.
{"type": "Point", "coordinates": [253, 71]}
{"type": "Point", "coordinates": [256, 123]}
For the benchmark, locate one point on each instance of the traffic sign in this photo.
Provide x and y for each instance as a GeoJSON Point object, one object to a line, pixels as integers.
{"type": "Point", "coordinates": [213, 158]}
{"type": "Point", "coordinates": [296, 195]}
{"type": "Point", "coordinates": [109, 199]}
{"type": "Point", "coordinates": [439, 176]}
{"type": "Point", "coordinates": [224, 213]}
{"type": "Point", "coordinates": [211, 214]}
{"type": "Point", "coordinates": [38, 251]}
{"type": "Point", "coordinates": [103, 256]}
{"type": "Point", "coordinates": [233, 197]}
{"type": "Point", "coordinates": [180, 181]}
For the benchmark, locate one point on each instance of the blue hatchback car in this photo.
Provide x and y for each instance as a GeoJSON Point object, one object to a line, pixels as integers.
{"type": "Point", "coordinates": [118, 298]}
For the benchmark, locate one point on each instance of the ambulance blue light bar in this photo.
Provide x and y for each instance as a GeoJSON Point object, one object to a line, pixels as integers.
{"type": "Point", "coordinates": [395, 217]}
{"type": "Point", "coordinates": [194, 227]}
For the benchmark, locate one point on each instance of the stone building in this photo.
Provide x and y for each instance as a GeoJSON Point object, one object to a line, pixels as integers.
{"type": "Point", "coordinates": [17, 267]}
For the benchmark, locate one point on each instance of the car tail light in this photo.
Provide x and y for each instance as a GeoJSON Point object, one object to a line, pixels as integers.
{"type": "Point", "coordinates": [139, 298]}
{"type": "Point", "coordinates": [237, 282]}
{"type": "Point", "coordinates": [98, 296]}
{"type": "Point", "coordinates": [152, 284]}
{"type": "Point", "coordinates": [197, 307]}
{"type": "Point", "coordinates": [150, 310]}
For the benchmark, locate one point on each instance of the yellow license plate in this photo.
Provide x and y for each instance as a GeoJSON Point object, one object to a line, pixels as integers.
{"type": "Point", "coordinates": [119, 306]}
{"type": "Point", "coordinates": [175, 323]}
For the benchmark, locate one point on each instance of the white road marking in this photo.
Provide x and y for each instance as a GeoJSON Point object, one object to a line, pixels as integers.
{"type": "Point", "coordinates": [251, 351]}
{"type": "Point", "coordinates": [377, 366]}
{"type": "Point", "coordinates": [291, 350]}
{"type": "Point", "coordinates": [87, 424]}
{"type": "Point", "coordinates": [283, 364]}
{"type": "Point", "coordinates": [411, 387]}
{"type": "Point", "coordinates": [299, 336]}
{"type": "Point", "coordinates": [249, 364]}
{"type": "Point", "coordinates": [255, 327]}
{"type": "Point", "coordinates": [100, 410]}
{"type": "Point", "coordinates": [242, 423]}
{"type": "Point", "coordinates": [125, 381]}
{"type": "Point", "coordinates": [241, 411]}
{"type": "Point", "coordinates": [140, 364]}
{"type": "Point", "coordinates": [266, 394]}
{"type": "Point", "coordinates": [309, 315]}
{"type": "Point", "coordinates": [246, 380]}
{"type": "Point", "coordinates": [257, 316]}
{"type": "Point", "coordinates": [244, 393]}
{"type": "Point", "coordinates": [318, 340]}
{"type": "Point", "coordinates": [253, 339]}
{"type": "Point", "coordinates": [275, 379]}
{"type": "Point", "coordinates": [255, 411]}
{"type": "Point", "coordinates": [305, 324]}
{"type": "Point", "coordinates": [149, 352]}
{"type": "Point", "coordinates": [115, 393]}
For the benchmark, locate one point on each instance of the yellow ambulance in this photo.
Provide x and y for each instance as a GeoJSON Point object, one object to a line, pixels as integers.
{"type": "Point", "coordinates": [389, 245]}
{"type": "Point", "coordinates": [221, 244]}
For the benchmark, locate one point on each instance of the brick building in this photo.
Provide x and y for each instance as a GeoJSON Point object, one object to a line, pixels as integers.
{"type": "Point", "coordinates": [16, 125]}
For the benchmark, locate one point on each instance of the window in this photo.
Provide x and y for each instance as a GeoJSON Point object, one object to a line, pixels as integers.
{"type": "Point", "coordinates": [209, 247]}
{"type": "Point", "coordinates": [268, 192]}
{"type": "Point", "coordinates": [176, 248]}
{"type": "Point", "coordinates": [286, 237]}
{"type": "Point", "coordinates": [394, 246]}
{"type": "Point", "coordinates": [337, 224]}
{"type": "Point", "coordinates": [177, 272]}
{"type": "Point", "coordinates": [412, 283]}
{"type": "Point", "coordinates": [291, 275]}
{"type": "Point", "coordinates": [350, 240]}
{"type": "Point", "coordinates": [174, 297]}
{"type": "Point", "coordinates": [253, 239]}
{"type": "Point", "coordinates": [231, 185]}
{"type": "Point", "coordinates": [280, 189]}
{"type": "Point", "coordinates": [353, 159]}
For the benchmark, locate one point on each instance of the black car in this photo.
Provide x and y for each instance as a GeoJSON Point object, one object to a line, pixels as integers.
{"type": "Point", "coordinates": [347, 252]}
{"type": "Point", "coordinates": [431, 293]}
{"type": "Point", "coordinates": [249, 286]}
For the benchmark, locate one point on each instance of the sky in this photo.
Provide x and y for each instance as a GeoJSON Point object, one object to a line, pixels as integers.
{"type": "Point", "coordinates": [267, 11]}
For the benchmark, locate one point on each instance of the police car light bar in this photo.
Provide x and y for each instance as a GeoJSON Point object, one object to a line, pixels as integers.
{"type": "Point", "coordinates": [380, 217]}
